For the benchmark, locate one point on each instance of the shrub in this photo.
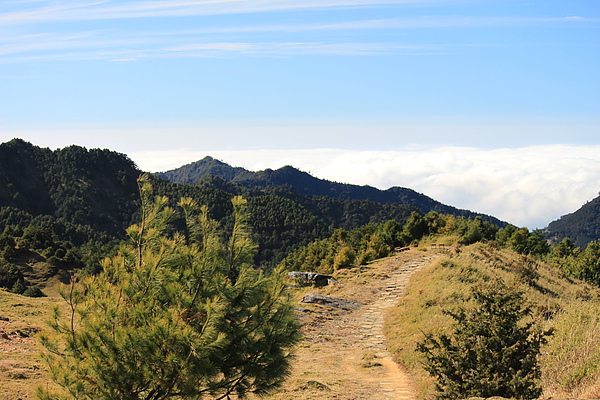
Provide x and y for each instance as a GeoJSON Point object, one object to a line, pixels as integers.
{"type": "Point", "coordinates": [490, 352]}
{"type": "Point", "coordinates": [174, 316]}
{"type": "Point", "coordinates": [33, 291]}
{"type": "Point", "coordinates": [344, 257]}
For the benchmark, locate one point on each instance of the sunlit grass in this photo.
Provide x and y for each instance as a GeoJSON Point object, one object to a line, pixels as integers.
{"type": "Point", "coordinates": [570, 361]}
{"type": "Point", "coordinates": [21, 367]}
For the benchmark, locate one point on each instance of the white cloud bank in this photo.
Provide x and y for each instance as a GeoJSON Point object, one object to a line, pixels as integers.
{"type": "Point", "coordinates": [529, 186]}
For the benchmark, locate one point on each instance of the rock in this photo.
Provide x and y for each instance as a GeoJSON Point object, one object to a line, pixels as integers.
{"type": "Point", "coordinates": [311, 277]}
{"type": "Point", "coordinates": [4, 318]}
{"type": "Point", "coordinates": [22, 333]}
{"type": "Point", "coordinates": [330, 301]}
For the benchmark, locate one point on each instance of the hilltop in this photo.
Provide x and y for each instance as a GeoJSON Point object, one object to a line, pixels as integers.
{"type": "Point", "coordinates": [307, 185]}
{"type": "Point", "coordinates": [581, 226]}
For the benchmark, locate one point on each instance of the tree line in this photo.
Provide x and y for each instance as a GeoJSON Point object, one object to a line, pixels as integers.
{"type": "Point", "coordinates": [372, 241]}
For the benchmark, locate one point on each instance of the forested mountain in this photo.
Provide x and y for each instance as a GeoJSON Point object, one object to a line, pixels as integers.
{"type": "Point", "coordinates": [78, 187]}
{"type": "Point", "coordinates": [581, 226]}
{"type": "Point", "coordinates": [71, 205]}
{"type": "Point", "coordinates": [307, 185]}
{"type": "Point", "coordinates": [282, 219]}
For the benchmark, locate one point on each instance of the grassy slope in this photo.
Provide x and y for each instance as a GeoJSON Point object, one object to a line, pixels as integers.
{"type": "Point", "coordinates": [21, 367]}
{"type": "Point", "coordinates": [571, 359]}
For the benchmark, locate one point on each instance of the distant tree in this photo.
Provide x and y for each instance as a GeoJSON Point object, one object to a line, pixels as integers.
{"type": "Point", "coordinates": [504, 235]}
{"type": "Point", "coordinates": [565, 248]}
{"type": "Point", "coordinates": [587, 264]}
{"type": "Point", "coordinates": [415, 227]}
{"type": "Point", "coordinates": [37, 238]}
{"type": "Point", "coordinates": [174, 315]}
{"type": "Point", "coordinates": [523, 241]}
{"type": "Point", "coordinates": [475, 230]}
{"type": "Point", "coordinates": [435, 222]}
{"type": "Point", "coordinates": [490, 351]}
{"type": "Point", "coordinates": [344, 257]}
{"type": "Point", "coordinates": [11, 278]}
{"type": "Point", "coordinates": [7, 246]}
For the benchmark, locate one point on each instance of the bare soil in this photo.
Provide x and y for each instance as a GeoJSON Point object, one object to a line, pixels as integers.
{"type": "Point", "coordinates": [343, 354]}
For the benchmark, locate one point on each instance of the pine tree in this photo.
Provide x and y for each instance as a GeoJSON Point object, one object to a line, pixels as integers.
{"type": "Point", "coordinates": [490, 352]}
{"type": "Point", "coordinates": [174, 315]}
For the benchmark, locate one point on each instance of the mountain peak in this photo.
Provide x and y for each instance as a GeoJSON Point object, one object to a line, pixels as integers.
{"type": "Point", "coordinates": [194, 171]}
{"type": "Point", "coordinates": [308, 185]}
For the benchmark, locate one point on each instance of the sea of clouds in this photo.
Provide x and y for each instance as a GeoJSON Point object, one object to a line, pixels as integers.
{"type": "Point", "coordinates": [529, 186]}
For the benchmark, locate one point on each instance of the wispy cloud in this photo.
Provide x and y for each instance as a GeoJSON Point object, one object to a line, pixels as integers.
{"type": "Point", "coordinates": [529, 186]}
{"type": "Point", "coordinates": [295, 48]}
{"type": "Point", "coordinates": [78, 11]}
{"type": "Point", "coordinates": [68, 42]}
{"type": "Point", "coordinates": [28, 12]}
{"type": "Point", "coordinates": [103, 46]}
{"type": "Point", "coordinates": [452, 21]}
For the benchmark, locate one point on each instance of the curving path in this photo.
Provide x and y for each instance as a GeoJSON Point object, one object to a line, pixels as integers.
{"type": "Point", "coordinates": [345, 355]}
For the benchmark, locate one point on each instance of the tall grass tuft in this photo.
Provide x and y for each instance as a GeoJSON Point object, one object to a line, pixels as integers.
{"type": "Point", "coordinates": [572, 359]}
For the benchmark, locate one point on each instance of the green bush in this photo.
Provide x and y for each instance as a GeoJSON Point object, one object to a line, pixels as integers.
{"type": "Point", "coordinates": [33, 291]}
{"type": "Point", "coordinates": [10, 276]}
{"type": "Point", "coordinates": [174, 316]}
{"type": "Point", "coordinates": [490, 352]}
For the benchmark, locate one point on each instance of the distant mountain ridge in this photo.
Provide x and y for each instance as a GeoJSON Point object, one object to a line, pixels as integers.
{"type": "Point", "coordinates": [581, 226]}
{"type": "Point", "coordinates": [73, 204]}
{"type": "Point", "coordinates": [307, 185]}
{"type": "Point", "coordinates": [89, 197]}
{"type": "Point", "coordinates": [94, 188]}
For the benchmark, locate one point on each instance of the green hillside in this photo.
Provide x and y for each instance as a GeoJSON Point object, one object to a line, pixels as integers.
{"type": "Point", "coordinates": [323, 234]}
{"type": "Point", "coordinates": [77, 187]}
{"type": "Point", "coordinates": [71, 206]}
{"type": "Point", "coordinates": [581, 226]}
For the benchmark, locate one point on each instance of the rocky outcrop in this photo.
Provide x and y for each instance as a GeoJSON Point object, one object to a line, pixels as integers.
{"type": "Point", "coordinates": [310, 277]}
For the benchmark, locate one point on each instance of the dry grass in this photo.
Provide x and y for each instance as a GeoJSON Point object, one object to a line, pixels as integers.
{"type": "Point", "coordinates": [573, 356]}
{"type": "Point", "coordinates": [570, 361]}
{"type": "Point", "coordinates": [21, 367]}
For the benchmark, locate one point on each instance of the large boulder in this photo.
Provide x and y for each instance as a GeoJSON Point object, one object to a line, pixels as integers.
{"type": "Point", "coordinates": [311, 277]}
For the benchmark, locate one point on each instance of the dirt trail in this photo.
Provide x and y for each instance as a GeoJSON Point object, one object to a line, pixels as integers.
{"type": "Point", "coordinates": [345, 356]}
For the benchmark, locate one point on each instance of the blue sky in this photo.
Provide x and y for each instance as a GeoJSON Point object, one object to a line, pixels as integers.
{"type": "Point", "coordinates": [335, 87]}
